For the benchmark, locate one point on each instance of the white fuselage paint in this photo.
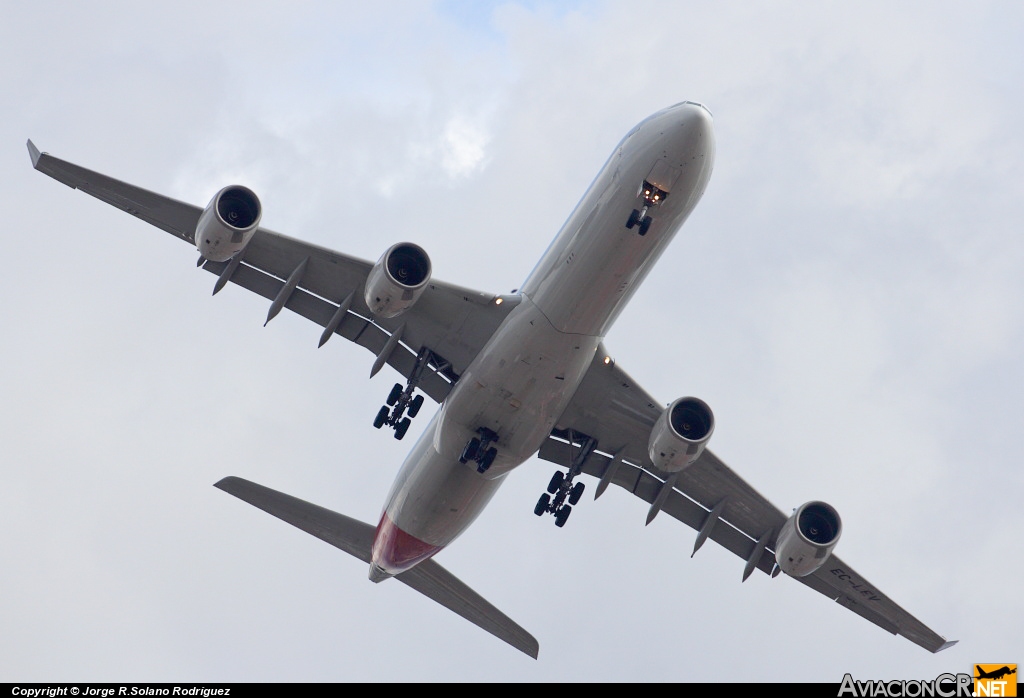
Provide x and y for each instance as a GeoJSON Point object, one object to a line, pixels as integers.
{"type": "Point", "coordinates": [525, 376]}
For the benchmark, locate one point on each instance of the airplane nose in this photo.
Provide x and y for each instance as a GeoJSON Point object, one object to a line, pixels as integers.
{"type": "Point", "coordinates": [697, 117]}
{"type": "Point", "coordinates": [699, 127]}
{"type": "Point", "coordinates": [689, 106]}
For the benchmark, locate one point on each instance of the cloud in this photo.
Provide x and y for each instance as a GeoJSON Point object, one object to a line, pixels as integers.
{"type": "Point", "coordinates": [851, 292]}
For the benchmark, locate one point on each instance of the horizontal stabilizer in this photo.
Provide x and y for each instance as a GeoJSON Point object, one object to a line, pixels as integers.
{"type": "Point", "coordinates": [356, 539]}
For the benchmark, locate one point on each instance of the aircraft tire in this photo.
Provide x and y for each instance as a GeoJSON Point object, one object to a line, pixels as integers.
{"type": "Point", "coordinates": [634, 218]}
{"type": "Point", "coordinates": [415, 405]}
{"type": "Point", "coordinates": [555, 482]}
{"type": "Point", "coordinates": [402, 427]}
{"type": "Point", "coordinates": [562, 515]}
{"type": "Point", "coordinates": [576, 493]}
{"type": "Point", "coordinates": [381, 417]}
{"type": "Point", "coordinates": [471, 450]}
{"type": "Point", "coordinates": [645, 226]}
{"type": "Point", "coordinates": [542, 505]}
{"type": "Point", "coordinates": [396, 392]}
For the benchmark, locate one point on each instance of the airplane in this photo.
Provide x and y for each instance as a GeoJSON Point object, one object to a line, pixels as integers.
{"type": "Point", "coordinates": [994, 674]}
{"type": "Point", "coordinates": [516, 375]}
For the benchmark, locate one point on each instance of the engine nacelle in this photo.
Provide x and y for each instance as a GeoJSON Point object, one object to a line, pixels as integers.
{"type": "Point", "coordinates": [807, 539]}
{"type": "Point", "coordinates": [397, 280]}
{"type": "Point", "coordinates": [680, 434]}
{"type": "Point", "coordinates": [228, 223]}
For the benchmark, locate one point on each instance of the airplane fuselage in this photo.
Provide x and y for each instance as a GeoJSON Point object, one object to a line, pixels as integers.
{"type": "Point", "coordinates": [523, 379]}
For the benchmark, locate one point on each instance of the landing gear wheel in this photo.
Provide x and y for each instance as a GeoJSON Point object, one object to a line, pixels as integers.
{"type": "Point", "coordinates": [396, 392]}
{"type": "Point", "coordinates": [634, 218]}
{"type": "Point", "coordinates": [645, 226]}
{"type": "Point", "coordinates": [469, 453]}
{"type": "Point", "coordinates": [542, 505]}
{"type": "Point", "coordinates": [382, 416]}
{"type": "Point", "coordinates": [556, 482]}
{"type": "Point", "coordinates": [486, 461]}
{"type": "Point", "coordinates": [562, 515]}
{"type": "Point", "coordinates": [402, 427]}
{"type": "Point", "coordinates": [415, 405]}
{"type": "Point", "coordinates": [576, 493]}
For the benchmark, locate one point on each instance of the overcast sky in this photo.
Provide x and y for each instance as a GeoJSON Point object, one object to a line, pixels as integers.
{"type": "Point", "coordinates": [847, 297]}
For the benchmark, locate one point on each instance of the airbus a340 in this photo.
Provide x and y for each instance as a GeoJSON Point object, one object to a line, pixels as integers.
{"type": "Point", "coordinates": [516, 375]}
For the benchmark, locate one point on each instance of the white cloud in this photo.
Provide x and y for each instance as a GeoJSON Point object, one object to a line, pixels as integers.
{"type": "Point", "coordinates": [463, 147]}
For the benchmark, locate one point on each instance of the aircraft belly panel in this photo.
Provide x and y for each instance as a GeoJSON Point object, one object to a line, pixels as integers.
{"type": "Point", "coordinates": [517, 387]}
{"type": "Point", "coordinates": [435, 497]}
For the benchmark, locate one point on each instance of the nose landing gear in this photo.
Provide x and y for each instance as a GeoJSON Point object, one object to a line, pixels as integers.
{"type": "Point", "coordinates": [639, 218]}
{"type": "Point", "coordinates": [652, 196]}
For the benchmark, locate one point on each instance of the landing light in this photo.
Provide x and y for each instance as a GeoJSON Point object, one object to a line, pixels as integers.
{"type": "Point", "coordinates": [499, 301]}
{"type": "Point", "coordinates": [607, 360]}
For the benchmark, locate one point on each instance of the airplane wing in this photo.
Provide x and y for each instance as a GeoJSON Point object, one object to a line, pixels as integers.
{"type": "Point", "coordinates": [453, 323]}
{"type": "Point", "coordinates": [612, 409]}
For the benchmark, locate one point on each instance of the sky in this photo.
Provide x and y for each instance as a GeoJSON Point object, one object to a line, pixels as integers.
{"type": "Point", "coordinates": [847, 297]}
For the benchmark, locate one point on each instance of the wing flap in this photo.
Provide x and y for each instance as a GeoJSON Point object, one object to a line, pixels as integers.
{"type": "Point", "coordinates": [610, 408]}
{"type": "Point", "coordinates": [678, 505]}
{"type": "Point", "coordinates": [610, 403]}
{"type": "Point", "coordinates": [353, 327]}
{"type": "Point", "coordinates": [849, 589]}
{"type": "Point", "coordinates": [709, 480]}
{"type": "Point", "coordinates": [356, 538]}
{"type": "Point", "coordinates": [452, 321]}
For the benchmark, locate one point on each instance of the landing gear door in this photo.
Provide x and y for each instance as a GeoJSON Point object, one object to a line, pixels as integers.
{"type": "Point", "coordinates": [663, 176]}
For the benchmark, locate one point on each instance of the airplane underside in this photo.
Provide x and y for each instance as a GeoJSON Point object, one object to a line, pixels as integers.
{"type": "Point", "coordinates": [515, 375]}
{"type": "Point", "coordinates": [506, 403]}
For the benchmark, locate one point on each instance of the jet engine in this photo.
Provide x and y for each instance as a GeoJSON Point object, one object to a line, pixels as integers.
{"type": "Point", "coordinates": [228, 223]}
{"type": "Point", "coordinates": [397, 280]}
{"type": "Point", "coordinates": [807, 539]}
{"type": "Point", "coordinates": [680, 434]}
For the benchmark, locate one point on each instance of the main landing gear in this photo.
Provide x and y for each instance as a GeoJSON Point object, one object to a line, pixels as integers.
{"type": "Point", "coordinates": [401, 400]}
{"type": "Point", "coordinates": [479, 449]}
{"type": "Point", "coordinates": [561, 489]}
{"type": "Point", "coordinates": [652, 196]}
{"type": "Point", "coordinates": [393, 414]}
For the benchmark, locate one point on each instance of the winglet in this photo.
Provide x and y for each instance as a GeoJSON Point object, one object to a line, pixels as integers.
{"type": "Point", "coordinates": [946, 645]}
{"type": "Point", "coordinates": [34, 153]}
